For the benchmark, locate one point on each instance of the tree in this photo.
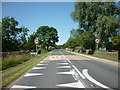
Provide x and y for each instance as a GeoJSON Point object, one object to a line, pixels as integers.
{"type": "Point", "coordinates": [82, 39]}
{"type": "Point", "coordinates": [71, 43]}
{"type": "Point", "coordinates": [87, 40]}
{"type": "Point", "coordinates": [98, 17]}
{"type": "Point", "coordinates": [48, 35]}
{"type": "Point", "coordinates": [116, 42]}
{"type": "Point", "coordinates": [107, 26]}
{"type": "Point", "coordinates": [12, 36]}
{"type": "Point", "coordinates": [30, 43]}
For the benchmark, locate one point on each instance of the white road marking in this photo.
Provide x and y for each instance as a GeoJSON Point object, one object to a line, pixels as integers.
{"type": "Point", "coordinates": [75, 67]}
{"type": "Point", "coordinates": [85, 72]}
{"type": "Point", "coordinates": [55, 57]}
{"type": "Point", "coordinates": [42, 61]}
{"type": "Point", "coordinates": [62, 63]}
{"type": "Point", "coordinates": [69, 61]}
{"type": "Point", "coordinates": [41, 64]}
{"type": "Point", "coordinates": [64, 67]}
{"type": "Point", "coordinates": [21, 86]}
{"type": "Point", "coordinates": [72, 85]}
{"type": "Point", "coordinates": [79, 72]}
{"type": "Point", "coordinates": [71, 72]}
{"type": "Point", "coordinates": [38, 67]}
{"type": "Point", "coordinates": [32, 74]}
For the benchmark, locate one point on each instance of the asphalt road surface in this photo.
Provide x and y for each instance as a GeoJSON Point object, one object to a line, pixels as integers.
{"type": "Point", "coordinates": [63, 69]}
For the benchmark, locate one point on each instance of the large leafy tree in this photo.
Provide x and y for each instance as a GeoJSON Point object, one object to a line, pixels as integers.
{"type": "Point", "coordinates": [116, 42]}
{"type": "Point", "coordinates": [12, 36]}
{"type": "Point", "coordinates": [86, 13]}
{"type": "Point", "coordinates": [98, 17]}
{"type": "Point", "coordinates": [46, 34]}
{"type": "Point", "coordinates": [82, 39]}
{"type": "Point", "coordinates": [107, 26]}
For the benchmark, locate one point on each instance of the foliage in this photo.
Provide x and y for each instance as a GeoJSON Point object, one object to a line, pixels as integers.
{"type": "Point", "coordinates": [30, 43]}
{"type": "Point", "coordinates": [116, 41]}
{"type": "Point", "coordinates": [107, 26]}
{"type": "Point", "coordinates": [47, 35]}
{"type": "Point", "coordinates": [80, 38]}
{"type": "Point", "coordinates": [12, 36]}
{"type": "Point", "coordinates": [98, 17]}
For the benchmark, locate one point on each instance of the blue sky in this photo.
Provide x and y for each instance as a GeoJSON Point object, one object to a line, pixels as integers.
{"type": "Point", "coordinates": [35, 14]}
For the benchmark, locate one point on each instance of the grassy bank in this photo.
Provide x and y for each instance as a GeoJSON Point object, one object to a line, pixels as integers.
{"type": "Point", "coordinates": [14, 60]}
{"type": "Point", "coordinates": [12, 73]}
{"type": "Point", "coordinates": [103, 57]}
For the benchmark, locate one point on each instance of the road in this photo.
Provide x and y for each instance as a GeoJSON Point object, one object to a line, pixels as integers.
{"type": "Point", "coordinates": [63, 69]}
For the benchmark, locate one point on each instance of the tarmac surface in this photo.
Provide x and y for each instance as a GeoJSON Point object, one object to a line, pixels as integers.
{"type": "Point", "coordinates": [63, 69]}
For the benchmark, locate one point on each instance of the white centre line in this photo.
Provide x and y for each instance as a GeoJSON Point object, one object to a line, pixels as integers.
{"type": "Point", "coordinates": [74, 67]}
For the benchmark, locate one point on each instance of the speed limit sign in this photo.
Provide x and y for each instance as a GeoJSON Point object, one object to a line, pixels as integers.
{"type": "Point", "coordinates": [97, 40]}
{"type": "Point", "coordinates": [36, 41]}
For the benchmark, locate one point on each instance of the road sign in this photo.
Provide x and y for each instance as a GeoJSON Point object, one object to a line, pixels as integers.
{"type": "Point", "coordinates": [36, 41]}
{"type": "Point", "coordinates": [97, 40]}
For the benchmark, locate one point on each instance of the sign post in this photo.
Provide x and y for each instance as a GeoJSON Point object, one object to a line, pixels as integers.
{"type": "Point", "coordinates": [97, 41]}
{"type": "Point", "coordinates": [36, 41]}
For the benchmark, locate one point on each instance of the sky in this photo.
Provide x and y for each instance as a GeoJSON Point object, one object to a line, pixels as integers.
{"type": "Point", "coordinates": [35, 14]}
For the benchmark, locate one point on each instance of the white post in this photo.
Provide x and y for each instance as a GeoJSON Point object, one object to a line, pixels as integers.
{"type": "Point", "coordinates": [36, 48]}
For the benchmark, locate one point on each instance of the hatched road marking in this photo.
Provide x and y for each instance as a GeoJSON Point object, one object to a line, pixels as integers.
{"type": "Point", "coordinates": [32, 74]}
{"type": "Point", "coordinates": [41, 64]}
{"type": "Point", "coordinates": [64, 67]}
{"type": "Point", "coordinates": [20, 86]}
{"type": "Point", "coordinates": [72, 85]}
{"type": "Point", "coordinates": [71, 72]}
{"type": "Point", "coordinates": [38, 67]}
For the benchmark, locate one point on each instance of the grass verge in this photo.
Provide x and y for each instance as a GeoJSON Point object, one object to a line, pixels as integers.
{"type": "Point", "coordinates": [103, 57]}
{"type": "Point", "coordinates": [14, 60]}
{"type": "Point", "coordinates": [10, 74]}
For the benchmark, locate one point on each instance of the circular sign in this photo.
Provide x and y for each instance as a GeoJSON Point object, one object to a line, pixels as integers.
{"type": "Point", "coordinates": [97, 40]}
{"type": "Point", "coordinates": [36, 41]}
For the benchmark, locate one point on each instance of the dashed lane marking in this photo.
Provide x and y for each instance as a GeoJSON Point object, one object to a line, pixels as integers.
{"type": "Point", "coordinates": [21, 86]}
{"type": "Point", "coordinates": [32, 74]}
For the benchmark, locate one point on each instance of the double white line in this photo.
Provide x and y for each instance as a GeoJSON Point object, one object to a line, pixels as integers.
{"type": "Point", "coordinates": [85, 74]}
